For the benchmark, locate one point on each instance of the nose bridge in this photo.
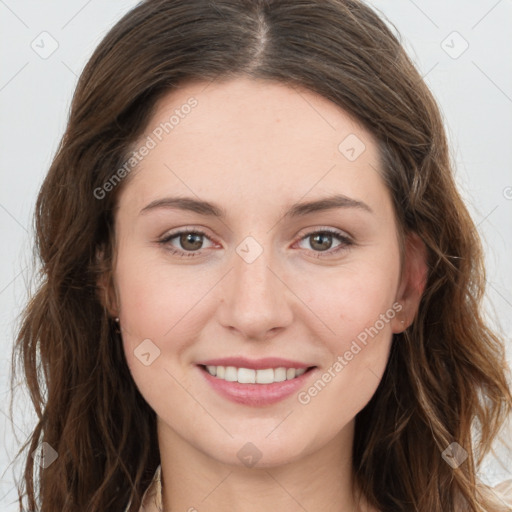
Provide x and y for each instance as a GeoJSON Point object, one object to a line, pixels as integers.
{"type": "Point", "coordinates": [252, 262]}
{"type": "Point", "coordinates": [254, 297]}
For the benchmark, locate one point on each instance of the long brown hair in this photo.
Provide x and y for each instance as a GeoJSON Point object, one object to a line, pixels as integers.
{"type": "Point", "coordinates": [446, 372]}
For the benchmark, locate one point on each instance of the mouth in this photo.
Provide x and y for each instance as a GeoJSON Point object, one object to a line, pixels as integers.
{"type": "Point", "coordinates": [256, 387]}
{"type": "Point", "coordinates": [261, 376]}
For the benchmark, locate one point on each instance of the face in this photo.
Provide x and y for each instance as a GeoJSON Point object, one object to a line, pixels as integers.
{"type": "Point", "coordinates": [254, 273]}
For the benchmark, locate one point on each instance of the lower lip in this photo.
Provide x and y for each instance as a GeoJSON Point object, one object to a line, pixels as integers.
{"type": "Point", "coordinates": [256, 394]}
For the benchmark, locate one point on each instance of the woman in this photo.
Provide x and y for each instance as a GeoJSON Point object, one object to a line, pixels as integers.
{"type": "Point", "coordinates": [261, 286]}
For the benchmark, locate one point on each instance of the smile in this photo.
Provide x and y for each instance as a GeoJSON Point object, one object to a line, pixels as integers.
{"type": "Point", "coordinates": [250, 376]}
{"type": "Point", "coordinates": [255, 387]}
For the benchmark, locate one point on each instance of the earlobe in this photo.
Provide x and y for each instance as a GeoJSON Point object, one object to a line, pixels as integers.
{"type": "Point", "coordinates": [413, 282]}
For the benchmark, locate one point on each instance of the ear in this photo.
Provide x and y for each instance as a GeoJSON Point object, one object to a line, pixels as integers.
{"type": "Point", "coordinates": [412, 283]}
{"type": "Point", "coordinates": [105, 285]}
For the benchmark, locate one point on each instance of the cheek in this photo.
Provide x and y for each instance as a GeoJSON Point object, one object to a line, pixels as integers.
{"type": "Point", "coordinates": [357, 305]}
{"type": "Point", "coordinates": [352, 298]}
{"type": "Point", "coordinates": [156, 322]}
{"type": "Point", "coordinates": [153, 299]}
{"type": "Point", "coordinates": [358, 312]}
{"type": "Point", "coordinates": [162, 311]}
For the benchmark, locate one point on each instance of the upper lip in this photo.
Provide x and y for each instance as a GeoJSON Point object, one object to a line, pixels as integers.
{"type": "Point", "coordinates": [255, 364]}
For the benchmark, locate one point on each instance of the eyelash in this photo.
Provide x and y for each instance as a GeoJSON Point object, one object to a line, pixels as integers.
{"type": "Point", "coordinates": [346, 242]}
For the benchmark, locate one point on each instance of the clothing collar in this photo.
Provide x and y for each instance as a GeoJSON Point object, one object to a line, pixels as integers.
{"type": "Point", "coordinates": [152, 497]}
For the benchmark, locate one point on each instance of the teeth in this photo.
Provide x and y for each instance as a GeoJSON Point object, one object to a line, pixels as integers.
{"type": "Point", "coordinates": [246, 376]}
{"type": "Point", "coordinates": [231, 374]}
{"type": "Point", "coordinates": [249, 376]}
{"type": "Point", "coordinates": [279, 374]}
{"type": "Point", "coordinates": [264, 376]}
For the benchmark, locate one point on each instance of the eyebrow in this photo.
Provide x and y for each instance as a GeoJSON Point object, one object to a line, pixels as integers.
{"type": "Point", "coordinates": [297, 210]}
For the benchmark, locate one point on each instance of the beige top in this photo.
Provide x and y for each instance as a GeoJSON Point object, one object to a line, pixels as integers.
{"type": "Point", "coordinates": [152, 499]}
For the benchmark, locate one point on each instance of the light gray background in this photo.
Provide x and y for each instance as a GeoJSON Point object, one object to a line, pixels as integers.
{"type": "Point", "coordinates": [474, 91]}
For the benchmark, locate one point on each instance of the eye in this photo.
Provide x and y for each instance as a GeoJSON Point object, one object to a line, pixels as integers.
{"type": "Point", "coordinates": [190, 240]}
{"type": "Point", "coordinates": [321, 241]}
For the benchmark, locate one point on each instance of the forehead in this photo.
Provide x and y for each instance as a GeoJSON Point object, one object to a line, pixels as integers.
{"type": "Point", "coordinates": [253, 139]}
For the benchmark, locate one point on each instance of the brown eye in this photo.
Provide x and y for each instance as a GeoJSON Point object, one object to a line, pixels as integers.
{"type": "Point", "coordinates": [322, 242]}
{"type": "Point", "coordinates": [191, 241]}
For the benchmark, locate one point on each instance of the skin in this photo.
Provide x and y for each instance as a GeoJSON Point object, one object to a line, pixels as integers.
{"type": "Point", "coordinates": [255, 148]}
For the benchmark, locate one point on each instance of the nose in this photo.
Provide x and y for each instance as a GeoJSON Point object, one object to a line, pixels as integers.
{"type": "Point", "coordinates": [255, 299]}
